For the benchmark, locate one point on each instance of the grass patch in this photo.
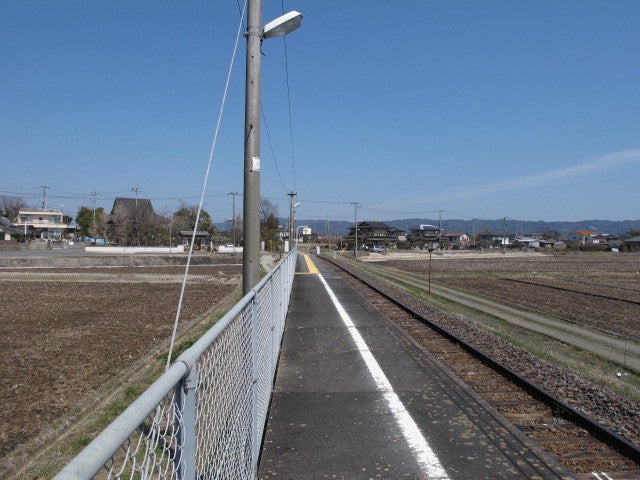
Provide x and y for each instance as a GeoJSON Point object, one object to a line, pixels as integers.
{"type": "Point", "coordinates": [581, 363]}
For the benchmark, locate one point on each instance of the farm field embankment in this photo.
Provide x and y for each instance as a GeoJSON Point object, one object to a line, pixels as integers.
{"type": "Point", "coordinates": [66, 333]}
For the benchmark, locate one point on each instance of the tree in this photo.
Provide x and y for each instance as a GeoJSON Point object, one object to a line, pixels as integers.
{"type": "Point", "coordinates": [270, 232]}
{"type": "Point", "coordinates": [267, 208]}
{"type": "Point", "coordinates": [633, 232]}
{"type": "Point", "coordinates": [10, 206]}
{"type": "Point", "coordinates": [119, 220]}
{"type": "Point", "coordinates": [185, 219]}
{"type": "Point", "coordinates": [90, 223]}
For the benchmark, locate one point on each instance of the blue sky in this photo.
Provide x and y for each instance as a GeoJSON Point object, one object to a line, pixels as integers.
{"type": "Point", "coordinates": [482, 109]}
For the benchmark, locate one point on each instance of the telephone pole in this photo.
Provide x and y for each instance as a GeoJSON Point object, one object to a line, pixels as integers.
{"type": "Point", "coordinates": [136, 190]}
{"type": "Point", "coordinates": [93, 194]}
{"type": "Point", "coordinates": [439, 229]}
{"type": "Point", "coordinates": [291, 219]}
{"type": "Point", "coordinates": [355, 213]}
{"type": "Point", "coordinates": [233, 219]}
{"type": "Point", "coordinates": [44, 196]}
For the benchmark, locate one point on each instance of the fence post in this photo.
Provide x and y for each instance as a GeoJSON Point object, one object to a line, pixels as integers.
{"type": "Point", "coordinates": [186, 441]}
{"type": "Point", "coordinates": [255, 442]}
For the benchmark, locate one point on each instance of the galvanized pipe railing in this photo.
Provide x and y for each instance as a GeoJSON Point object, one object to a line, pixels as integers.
{"type": "Point", "coordinates": [204, 417]}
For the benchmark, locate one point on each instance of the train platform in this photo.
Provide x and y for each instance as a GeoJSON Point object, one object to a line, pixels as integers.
{"type": "Point", "coordinates": [356, 398]}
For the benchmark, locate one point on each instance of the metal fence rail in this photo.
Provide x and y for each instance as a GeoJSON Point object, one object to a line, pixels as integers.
{"type": "Point", "coordinates": [204, 417]}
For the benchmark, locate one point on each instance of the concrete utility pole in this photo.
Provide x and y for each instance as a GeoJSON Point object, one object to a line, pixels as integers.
{"type": "Point", "coordinates": [93, 194]}
{"type": "Point", "coordinates": [233, 219]}
{"type": "Point", "coordinates": [439, 229]}
{"type": "Point", "coordinates": [291, 219]}
{"type": "Point", "coordinates": [136, 190]}
{"type": "Point", "coordinates": [44, 196]}
{"type": "Point", "coordinates": [251, 200]}
{"type": "Point", "coordinates": [355, 213]}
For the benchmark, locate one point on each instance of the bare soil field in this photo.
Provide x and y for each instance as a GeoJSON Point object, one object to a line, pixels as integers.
{"type": "Point", "coordinates": [66, 332]}
{"type": "Point", "coordinates": [601, 291]}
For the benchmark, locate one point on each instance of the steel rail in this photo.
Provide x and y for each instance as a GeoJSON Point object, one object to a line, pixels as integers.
{"type": "Point", "coordinates": [604, 434]}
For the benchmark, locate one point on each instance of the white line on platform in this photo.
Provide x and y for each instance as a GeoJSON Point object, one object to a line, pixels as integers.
{"type": "Point", "coordinates": [424, 454]}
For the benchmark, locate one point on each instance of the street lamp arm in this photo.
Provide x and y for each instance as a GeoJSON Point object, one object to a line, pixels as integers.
{"type": "Point", "coordinates": [282, 25]}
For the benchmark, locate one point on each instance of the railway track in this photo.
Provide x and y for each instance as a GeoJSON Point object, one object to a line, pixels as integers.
{"type": "Point", "coordinates": [585, 447]}
{"type": "Point", "coordinates": [600, 342]}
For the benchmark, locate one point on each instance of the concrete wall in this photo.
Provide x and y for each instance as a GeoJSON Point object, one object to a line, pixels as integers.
{"type": "Point", "coordinates": [163, 250]}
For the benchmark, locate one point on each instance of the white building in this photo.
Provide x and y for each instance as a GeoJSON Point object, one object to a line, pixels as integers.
{"type": "Point", "coordinates": [43, 224]}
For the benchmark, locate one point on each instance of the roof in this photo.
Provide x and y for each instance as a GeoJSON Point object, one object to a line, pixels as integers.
{"type": "Point", "coordinates": [140, 207]}
{"type": "Point", "coordinates": [373, 225]}
{"type": "Point", "coordinates": [585, 233]}
{"type": "Point", "coordinates": [199, 233]}
{"type": "Point", "coordinates": [632, 240]}
{"type": "Point", "coordinates": [7, 227]}
{"type": "Point", "coordinates": [454, 234]}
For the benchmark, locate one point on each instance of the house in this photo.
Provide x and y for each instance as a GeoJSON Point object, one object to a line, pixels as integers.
{"type": "Point", "coordinates": [631, 245]}
{"type": "Point", "coordinates": [136, 209]}
{"type": "Point", "coordinates": [374, 233]}
{"type": "Point", "coordinates": [456, 239]}
{"type": "Point", "coordinates": [528, 242]}
{"type": "Point", "coordinates": [201, 241]}
{"type": "Point", "coordinates": [583, 237]}
{"type": "Point", "coordinates": [9, 230]}
{"type": "Point", "coordinates": [424, 236]}
{"type": "Point", "coordinates": [43, 224]}
{"type": "Point", "coordinates": [134, 222]}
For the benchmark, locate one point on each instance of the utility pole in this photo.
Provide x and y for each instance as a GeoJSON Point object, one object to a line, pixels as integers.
{"type": "Point", "coordinates": [44, 196]}
{"type": "Point", "coordinates": [355, 210]}
{"type": "Point", "coordinates": [328, 236]}
{"type": "Point", "coordinates": [136, 190]}
{"type": "Point", "coordinates": [233, 219]}
{"type": "Point", "coordinates": [251, 199]}
{"type": "Point", "coordinates": [291, 219]}
{"type": "Point", "coordinates": [439, 229]}
{"type": "Point", "coordinates": [93, 194]}
{"type": "Point", "coordinates": [504, 235]}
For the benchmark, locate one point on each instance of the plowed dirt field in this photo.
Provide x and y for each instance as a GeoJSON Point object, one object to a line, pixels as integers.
{"type": "Point", "coordinates": [66, 332]}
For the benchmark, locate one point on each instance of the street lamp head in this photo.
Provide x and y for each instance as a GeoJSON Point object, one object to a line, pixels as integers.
{"type": "Point", "coordinates": [283, 25]}
{"type": "Point", "coordinates": [296, 204]}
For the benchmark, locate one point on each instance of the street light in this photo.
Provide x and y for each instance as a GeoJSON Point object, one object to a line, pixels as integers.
{"type": "Point", "coordinates": [251, 200]}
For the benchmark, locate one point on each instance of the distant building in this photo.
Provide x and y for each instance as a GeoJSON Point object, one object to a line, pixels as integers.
{"type": "Point", "coordinates": [374, 233]}
{"type": "Point", "coordinates": [139, 209]}
{"type": "Point", "coordinates": [583, 237]}
{"type": "Point", "coordinates": [133, 222]}
{"type": "Point", "coordinates": [456, 239]}
{"type": "Point", "coordinates": [43, 224]}
{"type": "Point", "coordinates": [200, 242]}
{"type": "Point", "coordinates": [631, 245]}
{"type": "Point", "coordinates": [9, 231]}
{"type": "Point", "coordinates": [424, 235]}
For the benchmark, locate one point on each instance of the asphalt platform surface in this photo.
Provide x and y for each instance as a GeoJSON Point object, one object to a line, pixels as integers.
{"type": "Point", "coordinates": [355, 398]}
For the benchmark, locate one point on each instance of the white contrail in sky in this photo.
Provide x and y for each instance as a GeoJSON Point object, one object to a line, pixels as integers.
{"type": "Point", "coordinates": [601, 163]}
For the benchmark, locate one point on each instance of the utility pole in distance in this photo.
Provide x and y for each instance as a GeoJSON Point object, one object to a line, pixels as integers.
{"type": "Point", "coordinates": [291, 225]}
{"type": "Point", "coordinates": [44, 197]}
{"type": "Point", "coordinates": [355, 210]}
{"type": "Point", "coordinates": [233, 219]}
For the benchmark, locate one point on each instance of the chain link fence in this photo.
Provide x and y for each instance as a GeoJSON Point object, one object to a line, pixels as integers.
{"type": "Point", "coordinates": [205, 416]}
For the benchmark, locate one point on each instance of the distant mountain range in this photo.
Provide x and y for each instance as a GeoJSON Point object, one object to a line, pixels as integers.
{"type": "Point", "coordinates": [521, 227]}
